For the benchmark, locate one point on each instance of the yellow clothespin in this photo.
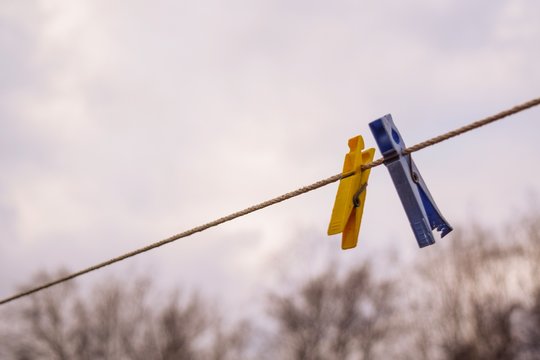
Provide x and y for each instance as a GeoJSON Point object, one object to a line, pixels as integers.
{"type": "Point", "coordinates": [351, 194]}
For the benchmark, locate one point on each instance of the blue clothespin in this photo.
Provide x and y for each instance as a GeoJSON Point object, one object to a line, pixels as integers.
{"type": "Point", "coordinates": [423, 214]}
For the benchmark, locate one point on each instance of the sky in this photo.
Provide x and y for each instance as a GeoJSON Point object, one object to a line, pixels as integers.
{"type": "Point", "coordinates": [124, 122]}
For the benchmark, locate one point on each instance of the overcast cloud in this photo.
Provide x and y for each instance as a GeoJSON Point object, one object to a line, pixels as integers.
{"type": "Point", "coordinates": [123, 122]}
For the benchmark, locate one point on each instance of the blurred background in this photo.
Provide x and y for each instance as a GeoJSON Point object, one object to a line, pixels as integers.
{"type": "Point", "coordinates": [124, 122]}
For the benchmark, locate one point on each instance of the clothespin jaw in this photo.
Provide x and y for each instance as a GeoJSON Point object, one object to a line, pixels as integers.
{"type": "Point", "coordinates": [423, 214]}
{"type": "Point", "coordinates": [351, 195]}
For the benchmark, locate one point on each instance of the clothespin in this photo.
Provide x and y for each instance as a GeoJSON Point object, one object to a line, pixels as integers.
{"type": "Point", "coordinates": [351, 195]}
{"type": "Point", "coordinates": [423, 214]}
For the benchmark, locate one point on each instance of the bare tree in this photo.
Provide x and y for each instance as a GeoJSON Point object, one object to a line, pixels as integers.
{"type": "Point", "coordinates": [469, 294]}
{"type": "Point", "coordinates": [333, 318]}
{"type": "Point", "coordinates": [117, 321]}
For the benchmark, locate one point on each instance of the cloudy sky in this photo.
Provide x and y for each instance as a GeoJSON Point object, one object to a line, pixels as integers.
{"type": "Point", "coordinates": [124, 122]}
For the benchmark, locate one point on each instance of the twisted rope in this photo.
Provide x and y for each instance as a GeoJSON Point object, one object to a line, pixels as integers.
{"type": "Point", "coordinates": [276, 200]}
{"type": "Point", "coordinates": [474, 125]}
{"type": "Point", "coordinates": [184, 234]}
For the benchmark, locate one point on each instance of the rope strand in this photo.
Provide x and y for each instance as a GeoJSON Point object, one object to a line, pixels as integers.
{"type": "Point", "coordinates": [276, 200]}
{"type": "Point", "coordinates": [474, 125]}
{"type": "Point", "coordinates": [184, 234]}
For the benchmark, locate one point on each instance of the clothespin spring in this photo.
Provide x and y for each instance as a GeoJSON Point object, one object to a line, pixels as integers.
{"type": "Point", "coordinates": [356, 198]}
{"type": "Point", "coordinates": [414, 175]}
